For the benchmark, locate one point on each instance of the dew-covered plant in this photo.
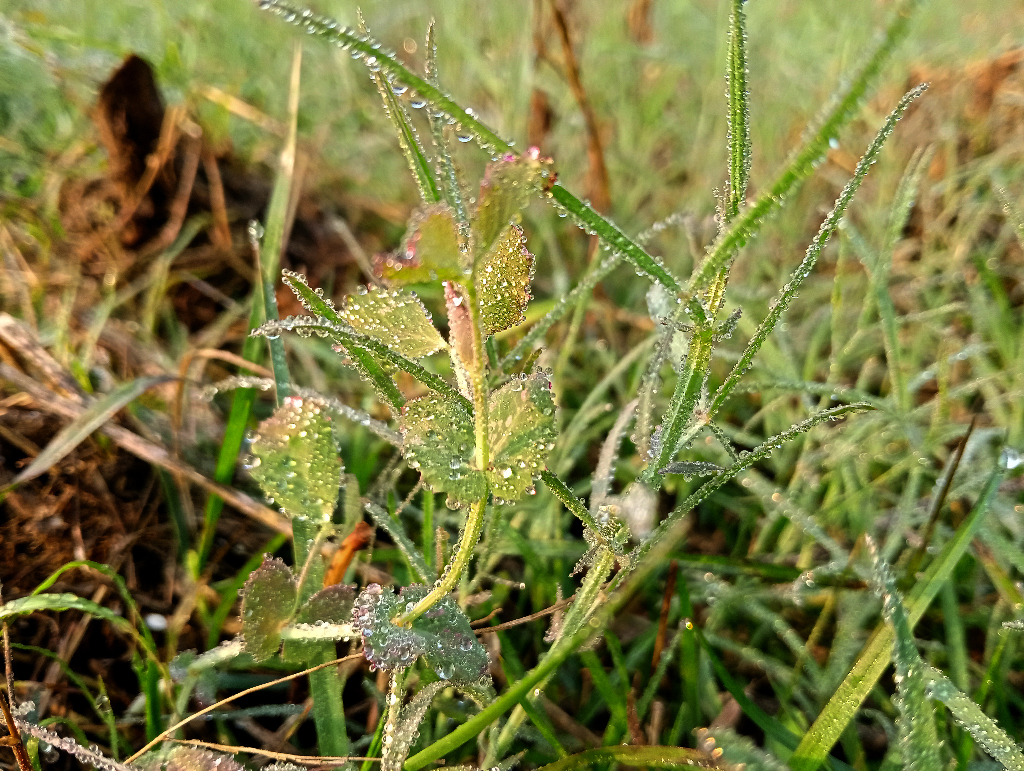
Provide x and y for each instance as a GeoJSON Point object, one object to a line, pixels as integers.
{"type": "Point", "coordinates": [475, 418]}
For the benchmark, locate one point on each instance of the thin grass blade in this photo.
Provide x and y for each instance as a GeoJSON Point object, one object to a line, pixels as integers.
{"type": "Point", "coordinates": [804, 160]}
{"type": "Point", "coordinates": [351, 339]}
{"type": "Point", "coordinates": [828, 227]}
{"type": "Point", "coordinates": [366, 48]}
{"type": "Point", "coordinates": [899, 214]}
{"type": "Point", "coordinates": [272, 241]}
{"type": "Point", "coordinates": [76, 432]}
{"type": "Point", "coordinates": [747, 459]}
{"type": "Point", "coordinates": [397, 534]}
{"type": "Point", "coordinates": [739, 111]}
{"type": "Point", "coordinates": [984, 730]}
{"type": "Point", "coordinates": [450, 183]}
{"type": "Point", "coordinates": [408, 139]}
{"type": "Point", "coordinates": [264, 301]}
{"type": "Point", "coordinates": [643, 757]}
{"type": "Point", "coordinates": [919, 741]}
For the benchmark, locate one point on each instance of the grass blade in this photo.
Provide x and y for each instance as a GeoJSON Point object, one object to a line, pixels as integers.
{"type": "Point", "coordinates": [273, 237]}
{"type": "Point", "coordinates": [264, 302]}
{"type": "Point", "coordinates": [324, 684]}
{"type": "Point", "coordinates": [35, 603]}
{"type": "Point", "coordinates": [877, 654]}
{"type": "Point", "coordinates": [739, 112]}
{"type": "Point", "coordinates": [76, 432]}
{"type": "Point", "coordinates": [408, 140]}
{"type": "Point", "coordinates": [354, 340]}
{"type": "Point", "coordinates": [902, 204]}
{"type": "Point", "coordinates": [919, 741]}
{"type": "Point", "coordinates": [451, 186]}
{"type": "Point", "coordinates": [805, 159]}
{"type": "Point", "coordinates": [748, 459]}
{"type": "Point", "coordinates": [985, 731]}
{"type": "Point", "coordinates": [828, 227]}
{"type": "Point", "coordinates": [397, 534]}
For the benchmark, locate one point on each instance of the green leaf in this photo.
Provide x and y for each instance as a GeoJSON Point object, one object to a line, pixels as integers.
{"type": "Point", "coordinates": [430, 251]}
{"type": "Point", "coordinates": [503, 281]}
{"type": "Point", "coordinates": [363, 346]}
{"type": "Point", "coordinates": [76, 432]}
{"type": "Point", "coordinates": [437, 439]}
{"type": "Point", "coordinates": [442, 635]}
{"type": "Point", "coordinates": [333, 606]}
{"type": "Point", "coordinates": [521, 428]}
{"type": "Point", "coordinates": [268, 601]}
{"type": "Point", "coordinates": [535, 336]}
{"type": "Point", "coordinates": [395, 317]}
{"type": "Point", "coordinates": [295, 459]}
{"type": "Point", "coordinates": [506, 189]}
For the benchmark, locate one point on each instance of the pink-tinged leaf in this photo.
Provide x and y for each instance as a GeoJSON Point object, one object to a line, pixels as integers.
{"type": "Point", "coordinates": [429, 252]}
{"type": "Point", "coordinates": [508, 186]}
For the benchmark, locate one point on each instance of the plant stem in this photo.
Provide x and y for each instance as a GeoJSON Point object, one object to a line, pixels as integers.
{"type": "Point", "coordinates": [453, 570]}
{"type": "Point", "coordinates": [324, 684]}
{"type": "Point", "coordinates": [478, 379]}
{"type": "Point", "coordinates": [475, 519]}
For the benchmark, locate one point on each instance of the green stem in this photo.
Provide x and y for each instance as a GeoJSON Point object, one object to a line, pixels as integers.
{"type": "Point", "coordinates": [324, 684]}
{"type": "Point", "coordinates": [559, 652]}
{"type": "Point", "coordinates": [453, 570]}
{"type": "Point", "coordinates": [396, 695]}
{"type": "Point", "coordinates": [475, 519]}
{"type": "Point", "coordinates": [478, 380]}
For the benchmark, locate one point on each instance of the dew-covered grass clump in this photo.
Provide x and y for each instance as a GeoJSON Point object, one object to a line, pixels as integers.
{"type": "Point", "coordinates": [742, 490]}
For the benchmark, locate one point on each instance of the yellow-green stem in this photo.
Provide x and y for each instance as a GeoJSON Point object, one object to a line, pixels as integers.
{"type": "Point", "coordinates": [475, 518]}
